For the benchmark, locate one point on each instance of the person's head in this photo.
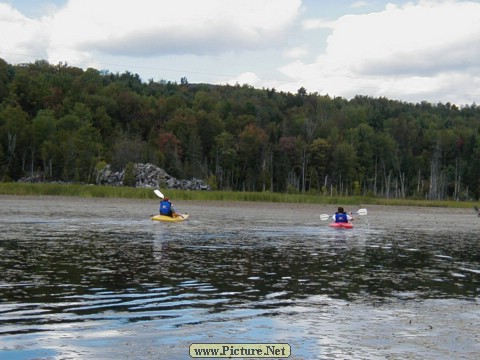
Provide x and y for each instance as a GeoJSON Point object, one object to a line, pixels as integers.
{"type": "Point", "coordinates": [340, 209]}
{"type": "Point", "coordinates": [166, 199]}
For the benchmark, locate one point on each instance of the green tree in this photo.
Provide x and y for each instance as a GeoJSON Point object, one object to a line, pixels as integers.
{"type": "Point", "coordinates": [251, 155]}
{"type": "Point", "coordinates": [226, 158]}
{"type": "Point", "coordinates": [210, 125]}
{"type": "Point", "coordinates": [362, 137]}
{"type": "Point", "coordinates": [320, 155]}
{"type": "Point", "coordinates": [344, 168]}
{"type": "Point", "coordinates": [44, 133]}
{"type": "Point", "coordinates": [384, 154]}
{"type": "Point", "coordinates": [15, 136]}
{"type": "Point", "coordinates": [6, 76]}
{"type": "Point", "coordinates": [171, 149]}
{"type": "Point", "coordinates": [293, 150]}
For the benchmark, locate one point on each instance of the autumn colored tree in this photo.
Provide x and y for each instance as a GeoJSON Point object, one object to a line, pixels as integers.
{"type": "Point", "coordinates": [59, 121]}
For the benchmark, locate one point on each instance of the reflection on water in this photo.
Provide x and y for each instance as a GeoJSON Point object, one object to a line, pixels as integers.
{"type": "Point", "coordinates": [86, 282]}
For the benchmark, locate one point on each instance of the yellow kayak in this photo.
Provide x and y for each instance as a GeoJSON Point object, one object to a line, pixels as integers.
{"type": "Point", "coordinates": [169, 218]}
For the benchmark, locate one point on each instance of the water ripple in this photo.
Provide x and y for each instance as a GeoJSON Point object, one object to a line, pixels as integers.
{"type": "Point", "coordinates": [94, 281]}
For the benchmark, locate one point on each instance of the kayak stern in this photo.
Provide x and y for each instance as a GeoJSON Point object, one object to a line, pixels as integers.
{"type": "Point", "coordinates": [165, 218]}
{"type": "Point", "coordinates": [341, 225]}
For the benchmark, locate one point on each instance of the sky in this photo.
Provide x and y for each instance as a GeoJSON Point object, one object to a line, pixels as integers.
{"type": "Point", "coordinates": [411, 51]}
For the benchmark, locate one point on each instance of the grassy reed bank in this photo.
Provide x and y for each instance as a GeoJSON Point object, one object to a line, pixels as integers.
{"type": "Point", "coordinates": [90, 191]}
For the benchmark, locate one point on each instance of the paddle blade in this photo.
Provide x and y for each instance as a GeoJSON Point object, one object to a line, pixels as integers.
{"type": "Point", "coordinates": [324, 217]}
{"type": "Point", "coordinates": [158, 193]}
{"type": "Point", "coordinates": [362, 212]}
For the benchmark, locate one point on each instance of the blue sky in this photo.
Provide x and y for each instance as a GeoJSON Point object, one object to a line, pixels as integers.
{"type": "Point", "coordinates": [414, 51]}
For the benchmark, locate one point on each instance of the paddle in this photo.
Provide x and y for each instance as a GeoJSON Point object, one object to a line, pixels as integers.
{"type": "Point", "coordinates": [160, 195]}
{"type": "Point", "coordinates": [360, 212]}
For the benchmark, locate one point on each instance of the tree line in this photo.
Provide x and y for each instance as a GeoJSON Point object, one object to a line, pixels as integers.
{"type": "Point", "coordinates": [67, 123]}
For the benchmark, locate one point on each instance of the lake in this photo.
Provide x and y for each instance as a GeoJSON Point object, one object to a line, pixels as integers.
{"type": "Point", "coordinates": [97, 279]}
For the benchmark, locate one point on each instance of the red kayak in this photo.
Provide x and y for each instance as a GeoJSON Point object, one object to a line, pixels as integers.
{"type": "Point", "coordinates": [341, 225]}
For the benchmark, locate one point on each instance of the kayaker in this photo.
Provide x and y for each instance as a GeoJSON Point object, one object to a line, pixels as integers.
{"type": "Point", "coordinates": [166, 208]}
{"type": "Point", "coordinates": [341, 216]}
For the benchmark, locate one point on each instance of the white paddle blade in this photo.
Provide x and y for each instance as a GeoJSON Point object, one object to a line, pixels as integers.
{"type": "Point", "coordinates": [324, 217]}
{"type": "Point", "coordinates": [158, 193]}
{"type": "Point", "coordinates": [362, 212]}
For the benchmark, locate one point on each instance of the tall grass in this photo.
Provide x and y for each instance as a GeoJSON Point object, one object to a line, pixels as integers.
{"type": "Point", "coordinates": [90, 191]}
{"type": "Point", "coordinates": [87, 191]}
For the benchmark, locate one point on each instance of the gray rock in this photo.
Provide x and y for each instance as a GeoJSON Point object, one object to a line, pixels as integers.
{"type": "Point", "coordinates": [149, 176]}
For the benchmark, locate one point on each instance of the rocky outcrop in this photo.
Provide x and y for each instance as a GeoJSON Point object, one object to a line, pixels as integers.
{"type": "Point", "coordinates": [33, 178]}
{"type": "Point", "coordinates": [146, 176]}
{"type": "Point", "coordinates": [149, 176]}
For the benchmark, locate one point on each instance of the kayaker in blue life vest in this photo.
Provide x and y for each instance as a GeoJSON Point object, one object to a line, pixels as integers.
{"type": "Point", "coordinates": [166, 208]}
{"type": "Point", "coordinates": [341, 216]}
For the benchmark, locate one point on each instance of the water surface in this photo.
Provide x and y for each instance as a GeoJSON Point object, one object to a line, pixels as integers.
{"type": "Point", "coordinates": [95, 278]}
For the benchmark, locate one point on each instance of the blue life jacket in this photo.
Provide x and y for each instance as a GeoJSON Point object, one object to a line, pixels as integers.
{"type": "Point", "coordinates": [166, 208]}
{"type": "Point", "coordinates": [341, 217]}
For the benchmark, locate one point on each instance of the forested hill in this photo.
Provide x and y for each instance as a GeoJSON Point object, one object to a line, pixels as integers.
{"type": "Point", "coordinates": [67, 123]}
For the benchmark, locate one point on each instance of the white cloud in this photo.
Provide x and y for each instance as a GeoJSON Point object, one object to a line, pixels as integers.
{"type": "Point", "coordinates": [312, 24]}
{"type": "Point", "coordinates": [296, 52]}
{"type": "Point", "coordinates": [152, 27]}
{"type": "Point", "coordinates": [408, 51]}
{"type": "Point", "coordinates": [421, 50]}
{"type": "Point", "coordinates": [248, 78]}
{"type": "Point", "coordinates": [20, 34]}
{"type": "Point", "coordinates": [83, 29]}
